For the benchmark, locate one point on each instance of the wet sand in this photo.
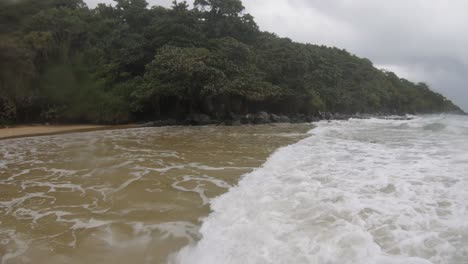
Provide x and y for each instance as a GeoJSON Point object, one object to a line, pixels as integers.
{"type": "Point", "coordinates": [43, 130]}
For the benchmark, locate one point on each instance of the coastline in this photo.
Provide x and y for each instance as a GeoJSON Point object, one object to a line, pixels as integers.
{"type": "Point", "coordinates": [23, 131]}
{"type": "Point", "coordinates": [33, 130]}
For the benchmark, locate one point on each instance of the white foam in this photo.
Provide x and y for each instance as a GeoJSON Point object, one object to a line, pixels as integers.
{"type": "Point", "coordinates": [25, 213]}
{"type": "Point", "coordinates": [200, 186]}
{"type": "Point", "coordinates": [11, 204]}
{"type": "Point", "coordinates": [354, 192]}
{"type": "Point", "coordinates": [143, 233]}
{"type": "Point", "coordinates": [17, 245]}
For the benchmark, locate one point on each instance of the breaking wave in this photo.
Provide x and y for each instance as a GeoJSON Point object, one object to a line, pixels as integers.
{"type": "Point", "coordinates": [362, 191]}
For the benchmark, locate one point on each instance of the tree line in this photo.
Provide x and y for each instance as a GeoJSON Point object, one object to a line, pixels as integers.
{"type": "Point", "coordinates": [61, 61]}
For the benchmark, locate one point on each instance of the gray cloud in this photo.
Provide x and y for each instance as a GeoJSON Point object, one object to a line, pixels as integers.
{"type": "Point", "coordinates": [419, 40]}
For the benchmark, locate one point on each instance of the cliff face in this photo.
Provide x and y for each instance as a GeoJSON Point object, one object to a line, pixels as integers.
{"type": "Point", "coordinates": [61, 61]}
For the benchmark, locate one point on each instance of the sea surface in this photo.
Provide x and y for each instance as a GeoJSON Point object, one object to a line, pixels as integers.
{"type": "Point", "coordinates": [377, 191]}
{"type": "Point", "coordinates": [363, 191]}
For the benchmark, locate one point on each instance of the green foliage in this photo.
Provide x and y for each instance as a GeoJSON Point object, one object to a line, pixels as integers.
{"type": "Point", "coordinates": [220, 8]}
{"type": "Point", "coordinates": [63, 62]}
{"type": "Point", "coordinates": [183, 72]}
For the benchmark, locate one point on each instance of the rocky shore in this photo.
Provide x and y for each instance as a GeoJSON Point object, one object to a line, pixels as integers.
{"type": "Point", "coordinates": [191, 120]}
{"type": "Point", "coordinates": [264, 118]}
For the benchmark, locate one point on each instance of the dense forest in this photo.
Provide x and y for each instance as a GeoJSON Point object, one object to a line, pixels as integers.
{"type": "Point", "coordinates": [61, 61]}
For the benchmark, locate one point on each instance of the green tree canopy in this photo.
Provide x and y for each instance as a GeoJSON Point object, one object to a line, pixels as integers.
{"type": "Point", "coordinates": [62, 61]}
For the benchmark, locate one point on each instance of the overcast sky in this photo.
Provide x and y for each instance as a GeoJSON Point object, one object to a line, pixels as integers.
{"type": "Point", "coordinates": [421, 40]}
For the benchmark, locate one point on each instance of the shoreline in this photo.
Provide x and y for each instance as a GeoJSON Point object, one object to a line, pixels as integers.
{"type": "Point", "coordinates": [24, 131]}
{"type": "Point", "coordinates": [34, 130]}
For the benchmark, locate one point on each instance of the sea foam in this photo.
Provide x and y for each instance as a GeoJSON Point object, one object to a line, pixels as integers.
{"type": "Point", "coordinates": [363, 191]}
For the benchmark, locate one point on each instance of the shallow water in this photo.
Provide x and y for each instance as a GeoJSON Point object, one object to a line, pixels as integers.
{"type": "Point", "coordinates": [124, 196]}
{"type": "Point", "coordinates": [364, 191]}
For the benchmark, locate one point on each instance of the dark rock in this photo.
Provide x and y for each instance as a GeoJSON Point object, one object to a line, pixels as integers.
{"type": "Point", "coordinates": [275, 118]}
{"type": "Point", "coordinates": [160, 123]}
{"type": "Point", "coordinates": [284, 119]}
{"type": "Point", "coordinates": [168, 122]}
{"type": "Point", "coordinates": [236, 123]}
{"type": "Point", "coordinates": [338, 116]}
{"type": "Point", "coordinates": [199, 120]}
{"type": "Point", "coordinates": [247, 119]}
{"type": "Point", "coordinates": [231, 122]}
{"type": "Point", "coordinates": [262, 118]}
{"type": "Point", "coordinates": [147, 124]}
{"type": "Point", "coordinates": [299, 118]}
{"type": "Point", "coordinates": [279, 118]}
{"type": "Point", "coordinates": [232, 116]}
{"type": "Point", "coordinates": [325, 115]}
{"type": "Point", "coordinates": [366, 116]}
{"type": "Point", "coordinates": [205, 120]}
{"type": "Point", "coordinates": [231, 119]}
{"type": "Point", "coordinates": [312, 119]}
{"type": "Point", "coordinates": [398, 118]}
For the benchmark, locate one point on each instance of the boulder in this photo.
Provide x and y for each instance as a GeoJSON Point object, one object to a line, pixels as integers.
{"type": "Point", "coordinates": [262, 118]}
{"type": "Point", "coordinates": [147, 124]}
{"type": "Point", "coordinates": [231, 120]}
{"type": "Point", "coordinates": [247, 119]}
{"type": "Point", "coordinates": [279, 118]}
{"type": "Point", "coordinates": [167, 122]}
{"type": "Point", "coordinates": [275, 118]}
{"type": "Point", "coordinates": [299, 118]}
{"type": "Point", "coordinates": [232, 123]}
{"type": "Point", "coordinates": [160, 123]}
{"type": "Point", "coordinates": [338, 116]}
{"type": "Point", "coordinates": [284, 119]}
{"type": "Point", "coordinates": [312, 119]}
{"type": "Point", "coordinates": [325, 115]}
{"type": "Point", "coordinates": [199, 119]}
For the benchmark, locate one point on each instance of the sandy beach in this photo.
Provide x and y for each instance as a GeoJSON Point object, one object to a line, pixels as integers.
{"type": "Point", "coordinates": [42, 130]}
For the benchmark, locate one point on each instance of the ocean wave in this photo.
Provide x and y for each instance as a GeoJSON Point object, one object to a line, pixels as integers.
{"type": "Point", "coordinates": [353, 192]}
